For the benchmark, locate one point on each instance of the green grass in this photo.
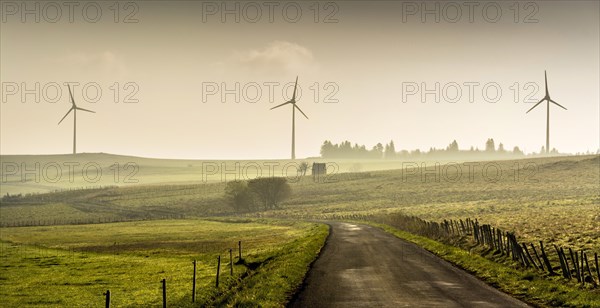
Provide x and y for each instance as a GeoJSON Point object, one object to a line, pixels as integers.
{"type": "Point", "coordinates": [271, 286]}
{"type": "Point", "coordinates": [528, 285]}
{"type": "Point", "coordinates": [73, 265]}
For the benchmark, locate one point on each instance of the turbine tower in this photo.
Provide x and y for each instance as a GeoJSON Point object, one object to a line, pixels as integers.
{"type": "Point", "coordinates": [74, 108]}
{"type": "Point", "coordinates": [548, 101]}
{"type": "Point", "coordinates": [294, 107]}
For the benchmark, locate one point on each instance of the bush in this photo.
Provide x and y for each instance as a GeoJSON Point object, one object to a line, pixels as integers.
{"type": "Point", "coordinates": [239, 196]}
{"type": "Point", "coordinates": [270, 191]}
{"type": "Point", "coordinates": [267, 193]}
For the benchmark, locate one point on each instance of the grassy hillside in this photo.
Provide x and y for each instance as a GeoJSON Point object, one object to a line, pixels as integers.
{"type": "Point", "coordinates": [555, 199]}
{"type": "Point", "coordinates": [48, 173]}
{"type": "Point", "coordinates": [43, 267]}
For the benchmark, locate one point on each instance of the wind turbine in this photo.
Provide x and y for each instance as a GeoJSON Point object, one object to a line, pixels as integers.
{"type": "Point", "coordinates": [294, 107]}
{"type": "Point", "coordinates": [548, 101]}
{"type": "Point", "coordinates": [74, 108]}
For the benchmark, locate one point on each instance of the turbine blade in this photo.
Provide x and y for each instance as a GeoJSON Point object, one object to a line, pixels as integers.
{"type": "Point", "coordinates": [294, 96]}
{"type": "Point", "coordinates": [296, 106]}
{"type": "Point", "coordinates": [71, 94]}
{"type": "Point", "coordinates": [536, 105]}
{"type": "Point", "coordinates": [546, 82]}
{"type": "Point", "coordinates": [66, 115]}
{"type": "Point", "coordinates": [84, 110]}
{"type": "Point", "coordinates": [288, 102]}
{"type": "Point", "coordinates": [557, 104]}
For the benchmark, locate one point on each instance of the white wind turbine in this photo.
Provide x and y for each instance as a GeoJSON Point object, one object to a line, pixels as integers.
{"type": "Point", "coordinates": [74, 108]}
{"type": "Point", "coordinates": [294, 107]}
{"type": "Point", "coordinates": [548, 101]}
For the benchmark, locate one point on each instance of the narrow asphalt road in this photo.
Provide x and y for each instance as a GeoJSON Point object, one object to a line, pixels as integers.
{"type": "Point", "coordinates": [363, 266]}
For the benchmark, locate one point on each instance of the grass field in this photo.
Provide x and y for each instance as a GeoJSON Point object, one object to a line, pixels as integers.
{"type": "Point", "coordinates": [553, 199]}
{"type": "Point", "coordinates": [558, 202]}
{"type": "Point", "coordinates": [73, 265]}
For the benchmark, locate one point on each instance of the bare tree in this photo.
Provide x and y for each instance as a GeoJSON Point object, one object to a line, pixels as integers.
{"type": "Point", "coordinates": [302, 168]}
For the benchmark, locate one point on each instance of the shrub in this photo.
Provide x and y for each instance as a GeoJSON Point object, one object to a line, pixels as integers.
{"type": "Point", "coordinates": [270, 191]}
{"type": "Point", "coordinates": [239, 196]}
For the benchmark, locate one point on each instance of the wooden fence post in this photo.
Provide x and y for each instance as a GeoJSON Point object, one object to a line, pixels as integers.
{"type": "Point", "coordinates": [537, 256]}
{"type": "Point", "coordinates": [240, 250]}
{"type": "Point", "coordinates": [218, 270]}
{"type": "Point", "coordinates": [597, 269]}
{"type": "Point", "coordinates": [530, 259]}
{"type": "Point", "coordinates": [164, 289]}
{"type": "Point", "coordinates": [524, 259]}
{"type": "Point", "coordinates": [513, 248]}
{"type": "Point", "coordinates": [575, 264]}
{"type": "Point", "coordinates": [499, 240]}
{"type": "Point", "coordinates": [587, 265]}
{"type": "Point", "coordinates": [582, 268]}
{"type": "Point", "coordinates": [194, 284]}
{"type": "Point", "coordinates": [107, 298]}
{"type": "Point", "coordinates": [562, 262]}
{"type": "Point", "coordinates": [562, 251]}
{"type": "Point", "coordinates": [545, 257]}
{"type": "Point", "coordinates": [231, 261]}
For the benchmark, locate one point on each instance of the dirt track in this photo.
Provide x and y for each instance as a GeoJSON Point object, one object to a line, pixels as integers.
{"type": "Point", "coordinates": [362, 266]}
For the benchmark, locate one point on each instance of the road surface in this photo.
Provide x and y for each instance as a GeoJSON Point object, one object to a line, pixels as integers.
{"type": "Point", "coordinates": [363, 266]}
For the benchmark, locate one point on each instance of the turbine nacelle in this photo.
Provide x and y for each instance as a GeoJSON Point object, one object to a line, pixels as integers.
{"type": "Point", "coordinates": [547, 97]}
{"type": "Point", "coordinates": [73, 106]}
{"type": "Point", "coordinates": [292, 101]}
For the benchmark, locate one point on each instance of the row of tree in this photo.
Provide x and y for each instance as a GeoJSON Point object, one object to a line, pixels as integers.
{"type": "Point", "coordinates": [257, 194]}
{"type": "Point", "coordinates": [388, 151]}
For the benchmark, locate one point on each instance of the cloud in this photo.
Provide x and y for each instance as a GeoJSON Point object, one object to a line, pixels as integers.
{"type": "Point", "coordinates": [105, 63]}
{"type": "Point", "coordinates": [278, 57]}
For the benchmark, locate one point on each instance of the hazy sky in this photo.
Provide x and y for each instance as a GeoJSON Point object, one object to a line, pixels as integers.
{"type": "Point", "coordinates": [374, 58]}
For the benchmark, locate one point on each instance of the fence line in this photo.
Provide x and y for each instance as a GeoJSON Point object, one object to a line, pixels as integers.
{"type": "Point", "coordinates": [575, 265]}
{"type": "Point", "coordinates": [108, 294]}
{"type": "Point", "coordinates": [83, 221]}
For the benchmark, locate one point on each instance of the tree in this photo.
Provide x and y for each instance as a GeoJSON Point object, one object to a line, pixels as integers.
{"type": "Point", "coordinates": [490, 146]}
{"type": "Point", "coordinates": [239, 196]}
{"type": "Point", "coordinates": [346, 149]}
{"type": "Point", "coordinates": [453, 147]}
{"type": "Point", "coordinates": [517, 151]}
{"type": "Point", "coordinates": [327, 149]}
{"type": "Point", "coordinates": [302, 168]}
{"type": "Point", "coordinates": [501, 148]}
{"type": "Point", "coordinates": [270, 191]}
{"type": "Point", "coordinates": [390, 150]}
{"type": "Point", "coordinates": [377, 151]}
